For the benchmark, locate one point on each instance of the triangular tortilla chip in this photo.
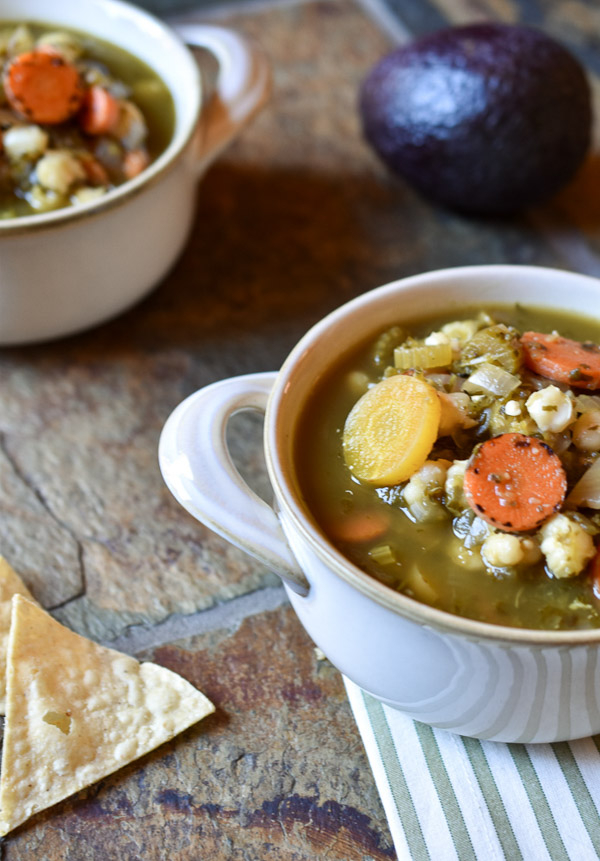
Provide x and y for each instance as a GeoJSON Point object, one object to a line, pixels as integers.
{"type": "Point", "coordinates": [10, 584]}
{"type": "Point", "coordinates": [77, 711]}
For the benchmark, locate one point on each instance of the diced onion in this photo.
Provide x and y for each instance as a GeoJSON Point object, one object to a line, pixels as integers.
{"type": "Point", "coordinates": [420, 586]}
{"type": "Point", "coordinates": [492, 380]}
{"type": "Point", "coordinates": [587, 490]}
{"type": "Point", "coordinates": [424, 356]}
{"type": "Point", "coordinates": [587, 403]}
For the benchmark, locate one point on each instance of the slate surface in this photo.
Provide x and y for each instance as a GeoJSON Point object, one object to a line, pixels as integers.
{"type": "Point", "coordinates": [278, 772]}
{"type": "Point", "coordinates": [295, 218]}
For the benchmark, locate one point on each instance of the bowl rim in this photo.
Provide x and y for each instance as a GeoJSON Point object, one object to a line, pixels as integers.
{"type": "Point", "coordinates": [155, 171]}
{"type": "Point", "coordinates": [287, 498]}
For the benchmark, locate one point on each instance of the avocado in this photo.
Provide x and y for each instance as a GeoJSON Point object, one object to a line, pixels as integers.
{"type": "Point", "coordinates": [485, 119]}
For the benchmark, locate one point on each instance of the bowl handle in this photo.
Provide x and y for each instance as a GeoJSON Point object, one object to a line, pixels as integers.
{"type": "Point", "coordinates": [241, 87]}
{"type": "Point", "coordinates": [197, 467]}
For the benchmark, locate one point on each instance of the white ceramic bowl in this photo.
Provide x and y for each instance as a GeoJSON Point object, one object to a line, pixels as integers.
{"type": "Point", "coordinates": [66, 270]}
{"type": "Point", "coordinates": [474, 678]}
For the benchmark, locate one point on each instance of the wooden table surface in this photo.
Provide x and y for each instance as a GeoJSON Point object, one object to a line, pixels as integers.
{"type": "Point", "coordinates": [295, 218]}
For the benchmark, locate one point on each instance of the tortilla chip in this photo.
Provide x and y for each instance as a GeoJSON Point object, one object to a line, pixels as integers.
{"type": "Point", "coordinates": [77, 711]}
{"type": "Point", "coordinates": [10, 584]}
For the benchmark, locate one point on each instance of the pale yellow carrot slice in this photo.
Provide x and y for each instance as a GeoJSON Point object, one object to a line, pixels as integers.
{"type": "Point", "coordinates": [390, 431]}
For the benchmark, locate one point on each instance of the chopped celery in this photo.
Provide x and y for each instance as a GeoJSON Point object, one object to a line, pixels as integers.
{"type": "Point", "coordinates": [423, 356]}
{"type": "Point", "coordinates": [382, 554]}
{"type": "Point", "coordinates": [386, 343]}
{"type": "Point", "coordinates": [502, 420]}
{"type": "Point", "coordinates": [496, 345]}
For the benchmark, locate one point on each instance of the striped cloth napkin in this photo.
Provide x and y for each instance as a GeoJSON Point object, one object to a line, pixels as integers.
{"type": "Point", "coordinates": [448, 797]}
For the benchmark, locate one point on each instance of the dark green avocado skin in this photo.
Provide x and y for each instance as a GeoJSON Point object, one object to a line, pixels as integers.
{"type": "Point", "coordinates": [484, 119]}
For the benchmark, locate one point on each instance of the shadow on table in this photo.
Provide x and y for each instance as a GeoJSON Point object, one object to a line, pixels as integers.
{"type": "Point", "coordinates": [580, 201]}
{"type": "Point", "coordinates": [270, 252]}
{"type": "Point", "coordinates": [273, 250]}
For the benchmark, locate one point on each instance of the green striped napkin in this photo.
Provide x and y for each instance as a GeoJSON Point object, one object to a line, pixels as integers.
{"type": "Point", "coordinates": [448, 797]}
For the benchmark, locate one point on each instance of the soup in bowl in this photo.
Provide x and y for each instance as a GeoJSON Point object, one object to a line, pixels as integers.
{"type": "Point", "coordinates": [79, 117]}
{"type": "Point", "coordinates": [435, 522]}
{"type": "Point", "coordinates": [457, 461]}
{"type": "Point", "coordinates": [107, 128]}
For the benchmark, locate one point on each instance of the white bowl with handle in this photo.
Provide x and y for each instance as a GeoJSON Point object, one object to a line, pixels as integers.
{"type": "Point", "coordinates": [66, 270]}
{"type": "Point", "coordinates": [474, 678]}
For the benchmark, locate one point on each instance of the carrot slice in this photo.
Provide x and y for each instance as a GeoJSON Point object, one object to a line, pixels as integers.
{"type": "Point", "coordinates": [95, 171]}
{"type": "Point", "coordinates": [391, 429]}
{"type": "Point", "coordinates": [99, 111]}
{"type": "Point", "coordinates": [43, 87]}
{"type": "Point", "coordinates": [359, 527]}
{"type": "Point", "coordinates": [134, 162]}
{"type": "Point", "coordinates": [573, 362]}
{"type": "Point", "coordinates": [515, 482]}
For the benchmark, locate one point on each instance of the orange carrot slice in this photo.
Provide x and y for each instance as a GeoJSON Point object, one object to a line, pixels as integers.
{"type": "Point", "coordinates": [134, 162]}
{"type": "Point", "coordinates": [94, 170]}
{"type": "Point", "coordinates": [99, 111]}
{"type": "Point", "coordinates": [515, 482]}
{"type": "Point", "coordinates": [573, 362]}
{"type": "Point", "coordinates": [43, 87]}
{"type": "Point", "coordinates": [360, 527]}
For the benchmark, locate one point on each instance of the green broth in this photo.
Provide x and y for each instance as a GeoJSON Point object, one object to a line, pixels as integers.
{"type": "Point", "coordinates": [422, 566]}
